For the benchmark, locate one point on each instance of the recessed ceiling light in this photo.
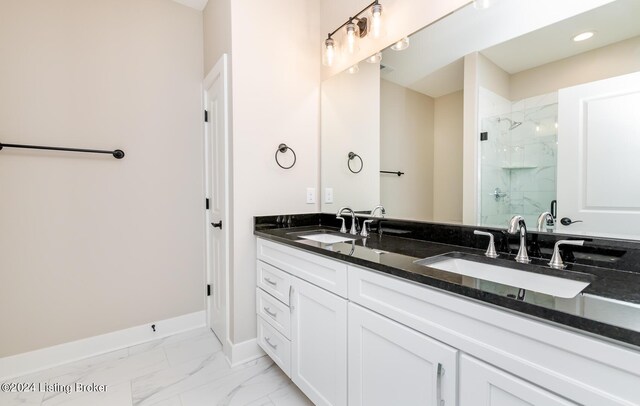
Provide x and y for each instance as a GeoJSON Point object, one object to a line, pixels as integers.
{"type": "Point", "coordinates": [375, 58]}
{"type": "Point", "coordinates": [401, 45]}
{"type": "Point", "coordinates": [583, 36]}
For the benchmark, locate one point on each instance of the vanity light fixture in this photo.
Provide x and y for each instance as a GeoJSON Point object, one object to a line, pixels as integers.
{"type": "Point", "coordinates": [583, 36]}
{"type": "Point", "coordinates": [352, 33]}
{"type": "Point", "coordinates": [375, 58]}
{"type": "Point", "coordinates": [376, 20]}
{"type": "Point", "coordinates": [329, 52]}
{"type": "Point", "coordinates": [354, 69]}
{"type": "Point", "coordinates": [356, 27]}
{"type": "Point", "coordinates": [401, 45]}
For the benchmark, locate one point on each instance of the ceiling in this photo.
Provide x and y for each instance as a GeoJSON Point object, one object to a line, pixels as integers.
{"type": "Point", "coordinates": [428, 67]}
{"type": "Point", "coordinates": [612, 23]}
{"type": "Point", "coordinates": [196, 4]}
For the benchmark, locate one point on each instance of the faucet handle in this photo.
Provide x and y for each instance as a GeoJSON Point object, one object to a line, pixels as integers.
{"type": "Point", "coordinates": [556, 259]}
{"type": "Point", "coordinates": [491, 249]}
{"type": "Point", "coordinates": [365, 231]}
{"type": "Point", "coordinates": [343, 229]}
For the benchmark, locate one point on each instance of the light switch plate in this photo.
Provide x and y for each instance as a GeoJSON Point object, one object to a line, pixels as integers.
{"type": "Point", "coordinates": [328, 195]}
{"type": "Point", "coordinates": [311, 195]}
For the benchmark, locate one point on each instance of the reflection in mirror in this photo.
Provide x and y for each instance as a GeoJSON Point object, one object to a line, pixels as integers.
{"type": "Point", "coordinates": [551, 121]}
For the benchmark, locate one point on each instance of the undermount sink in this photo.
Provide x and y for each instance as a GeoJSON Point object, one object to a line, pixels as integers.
{"type": "Point", "coordinates": [325, 236]}
{"type": "Point", "coordinates": [537, 282]}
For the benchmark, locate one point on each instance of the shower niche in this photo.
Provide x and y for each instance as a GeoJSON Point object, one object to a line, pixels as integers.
{"type": "Point", "coordinates": [518, 157]}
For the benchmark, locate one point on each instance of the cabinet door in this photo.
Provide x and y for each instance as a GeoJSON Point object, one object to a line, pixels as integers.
{"type": "Point", "coordinates": [391, 364]}
{"type": "Point", "coordinates": [484, 385]}
{"type": "Point", "coordinates": [319, 343]}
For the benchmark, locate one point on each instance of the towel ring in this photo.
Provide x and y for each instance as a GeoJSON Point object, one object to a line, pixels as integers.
{"type": "Point", "coordinates": [353, 155]}
{"type": "Point", "coordinates": [284, 148]}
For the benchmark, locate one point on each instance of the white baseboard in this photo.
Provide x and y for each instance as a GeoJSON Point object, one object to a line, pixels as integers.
{"type": "Point", "coordinates": [240, 353]}
{"type": "Point", "coordinates": [34, 361]}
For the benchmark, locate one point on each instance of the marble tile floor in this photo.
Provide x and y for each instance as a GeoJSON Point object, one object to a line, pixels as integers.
{"type": "Point", "coordinates": [187, 369]}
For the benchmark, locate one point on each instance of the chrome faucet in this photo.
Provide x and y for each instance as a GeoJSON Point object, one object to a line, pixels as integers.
{"type": "Point", "coordinates": [343, 229]}
{"type": "Point", "coordinates": [546, 221]}
{"type": "Point", "coordinates": [491, 249]}
{"type": "Point", "coordinates": [517, 224]}
{"type": "Point", "coordinates": [556, 259]}
{"type": "Point", "coordinates": [365, 228]}
{"type": "Point", "coordinates": [378, 207]}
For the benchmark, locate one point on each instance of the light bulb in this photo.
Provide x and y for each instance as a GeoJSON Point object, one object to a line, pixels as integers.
{"type": "Point", "coordinates": [352, 33]}
{"type": "Point", "coordinates": [481, 4]}
{"type": "Point", "coordinates": [376, 20]}
{"type": "Point", "coordinates": [375, 58]}
{"type": "Point", "coordinates": [583, 36]}
{"type": "Point", "coordinates": [354, 69]}
{"type": "Point", "coordinates": [401, 45]}
{"type": "Point", "coordinates": [329, 52]}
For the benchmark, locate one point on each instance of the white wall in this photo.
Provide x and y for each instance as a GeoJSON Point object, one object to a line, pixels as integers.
{"type": "Point", "coordinates": [447, 159]}
{"type": "Point", "coordinates": [613, 60]}
{"type": "Point", "coordinates": [276, 99]}
{"type": "Point", "coordinates": [217, 32]}
{"type": "Point", "coordinates": [350, 111]}
{"type": "Point", "coordinates": [90, 244]}
{"type": "Point", "coordinates": [406, 144]}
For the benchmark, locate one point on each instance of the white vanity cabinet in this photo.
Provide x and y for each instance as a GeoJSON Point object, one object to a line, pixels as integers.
{"type": "Point", "coordinates": [319, 343]}
{"type": "Point", "coordinates": [302, 319]}
{"type": "Point", "coordinates": [484, 385]}
{"type": "Point", "coordinates": [391, 364]}
{"type": "Point", "coordinates": [411, 344]}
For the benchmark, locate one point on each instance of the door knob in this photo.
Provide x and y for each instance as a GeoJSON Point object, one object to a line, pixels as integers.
{"type": "Point", "coordinates": [566, 221]}
{"type": "Point", "coordinates": [217, 225]}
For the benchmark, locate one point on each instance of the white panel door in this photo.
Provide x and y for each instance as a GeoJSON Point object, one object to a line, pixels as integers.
{"type": "Point", "coordinates": [215, 101]}
{"type": "Point", "coordinates": [598, 152]}
{"type": "Point", "coordinates": [484, 385]}
{"type": "Point", "coordinates": [391, 364]}
{"type": "Point", "coordinates": [319, 343]}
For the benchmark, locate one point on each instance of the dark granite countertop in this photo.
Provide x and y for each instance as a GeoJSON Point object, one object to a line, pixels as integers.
{"type": "Point", "coordinates": [399, 253]}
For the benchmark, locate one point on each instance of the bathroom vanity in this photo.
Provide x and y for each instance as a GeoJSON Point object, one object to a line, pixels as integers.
{"type": "Point", "coordinates": [362, 322]}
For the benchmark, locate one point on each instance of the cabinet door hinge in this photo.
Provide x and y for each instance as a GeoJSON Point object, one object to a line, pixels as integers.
{"type": "Point", "coordinates": [208, 290]}
{"type": "Point", "coordinates": [206, 116]}
{"type": "Point", "coordinates": [206, 203]}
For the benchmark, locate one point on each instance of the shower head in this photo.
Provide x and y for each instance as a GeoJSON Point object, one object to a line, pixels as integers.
{"type": "Point", "coordinates": [512, 124]}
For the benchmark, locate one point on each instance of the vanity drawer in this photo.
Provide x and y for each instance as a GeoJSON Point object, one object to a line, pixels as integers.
{"type": "Point", "coordinates": [323, 272]}
{"type": "Point", "coordinates": [275, 345]}
{"type": "Point", "coordinates": [274, 281]}
{"type": "Point", "coordinates": [274, 312]}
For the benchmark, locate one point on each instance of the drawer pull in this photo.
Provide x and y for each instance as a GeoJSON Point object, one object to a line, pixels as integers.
{"type": "Point", "coordinates": [270, 313]}
{"type": "Point", "coordinates": [268, 341]}
{"type": "Point", "coordinates": [269, 281]}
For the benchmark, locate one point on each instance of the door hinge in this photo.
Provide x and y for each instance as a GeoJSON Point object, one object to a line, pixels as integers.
{"type": "Point", "coordinates": [206, 203]}
{"type": "Point", "coordinates": [208, 290]}
{"type": "Point", "coordinates": [206, 116]}
{"type": "Point", "coordinates": [484, 136]}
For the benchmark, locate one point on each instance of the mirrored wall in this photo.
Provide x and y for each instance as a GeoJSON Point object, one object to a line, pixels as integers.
{"type": "Point", "coordinates": [514, 124]}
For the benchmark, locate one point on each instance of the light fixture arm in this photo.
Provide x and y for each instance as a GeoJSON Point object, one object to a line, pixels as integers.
{"type": "Point", "coordinates": [376, 2]}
